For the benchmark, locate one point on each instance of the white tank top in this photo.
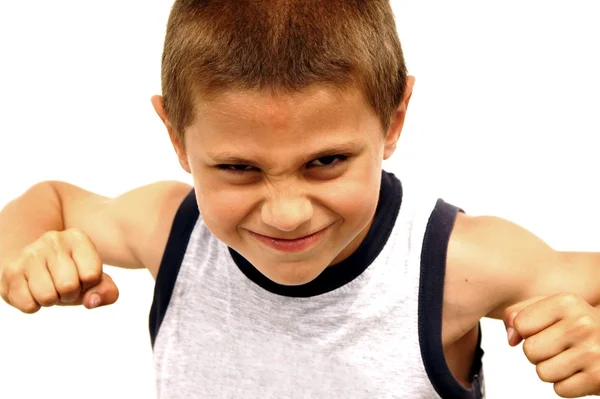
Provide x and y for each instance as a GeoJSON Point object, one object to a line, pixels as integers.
{"type": "Point", "coordinates": [369, 327]}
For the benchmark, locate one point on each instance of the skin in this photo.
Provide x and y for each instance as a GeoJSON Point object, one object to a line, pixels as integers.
{"type": "Point", "coordinates": [291, 181]}
{"type": "Point", "coordinates": [290, 184]}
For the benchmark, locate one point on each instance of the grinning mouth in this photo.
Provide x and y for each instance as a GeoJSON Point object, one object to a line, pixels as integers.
{"type": "Point", "coordinates": [290, 239]}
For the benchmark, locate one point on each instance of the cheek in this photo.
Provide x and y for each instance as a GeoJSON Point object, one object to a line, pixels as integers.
{"type": "Point", "coordinates": [355, 200]}
{"type": "Point", "coordinates": [357, 193]}
{"type": "Point", "coordinates": [223, 210]}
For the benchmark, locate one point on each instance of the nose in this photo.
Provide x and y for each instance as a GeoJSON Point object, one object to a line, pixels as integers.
{"type": "Point", "coordinates": [286, 213]}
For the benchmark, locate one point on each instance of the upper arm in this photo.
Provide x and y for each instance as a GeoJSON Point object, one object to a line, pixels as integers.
{"type": "Point", "coordinates": [492, 264]}
{"type": "Point", "coordinates": [130, 230]}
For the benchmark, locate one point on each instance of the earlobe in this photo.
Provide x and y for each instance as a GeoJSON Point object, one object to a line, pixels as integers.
{"type": "Point", "coordinates": [181, 153]}
{"type": "Point", "coordinates": [185, 165]}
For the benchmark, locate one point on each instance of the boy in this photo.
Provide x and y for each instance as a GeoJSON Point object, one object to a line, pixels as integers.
{"type": "Point", "coordinates": [284, 139]}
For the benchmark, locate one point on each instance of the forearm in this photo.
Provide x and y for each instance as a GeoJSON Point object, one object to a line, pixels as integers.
{"type": "Point", "coordinates": [578, 273]}
{"type": "Point", "coordinates": [26, 218]}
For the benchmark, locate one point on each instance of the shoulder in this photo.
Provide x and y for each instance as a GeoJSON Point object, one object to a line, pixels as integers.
{"type": "Point", "coordinates": [148, 215]}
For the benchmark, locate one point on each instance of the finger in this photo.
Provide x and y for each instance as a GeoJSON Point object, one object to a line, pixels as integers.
{"type": "Point", "coordinates": [20, 297]}
{"type": "Point", "coordinates": [514, 309]}
{"type": "Point", "coordinates": [510, 313]}
{"type": "Point", "coordinates": [578, 385]}
{"type": "Point", "coordinates": [86, 259]}
{"type": "Point", "coordinates": [105, 293]}
{"type": "Point", "coordinates": [64, 275]}
{"type": "Point", "coordinates": [547, 343]}
{"type": "Point", "coordinates": [561, 366]}
{"type": "Point", "coordinates": [538, 316]}
{"type": "Point", "coordinates": [4, 278]}
{"type": "Point", "coordinates": [514, 338]}
{"type": "Point", "coordinates": [40, 284]}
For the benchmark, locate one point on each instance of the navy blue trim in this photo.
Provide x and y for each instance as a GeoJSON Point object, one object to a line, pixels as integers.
{"type": "Point", "coordinates": [431, 297]}
{"type": "Point", "coordinates": [340, 274]}
{"type": "Point", "coordinates": [183, 225]}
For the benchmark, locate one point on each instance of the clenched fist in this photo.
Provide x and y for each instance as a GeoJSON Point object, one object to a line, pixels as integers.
{"type": "Point", "coordinates": [60, 268]}
{"type": "Point", "coordinates": [562, 338]}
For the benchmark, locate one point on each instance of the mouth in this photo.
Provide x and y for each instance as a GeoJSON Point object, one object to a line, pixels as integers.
{"type": "Point", "coordinates": [293, 244]}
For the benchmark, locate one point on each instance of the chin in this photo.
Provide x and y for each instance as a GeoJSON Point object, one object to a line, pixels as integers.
{"type": "Point", "coordinates": [294, 281]}
{"type": "Point", "coordinates": [294, 275]}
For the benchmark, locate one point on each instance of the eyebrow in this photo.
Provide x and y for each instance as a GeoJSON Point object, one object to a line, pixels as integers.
{"type": "Point", "coordinates": [227, 157]}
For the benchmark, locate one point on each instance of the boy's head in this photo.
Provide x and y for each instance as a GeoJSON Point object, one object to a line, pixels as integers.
{"type": "Point", "coordinates": [283, 111]}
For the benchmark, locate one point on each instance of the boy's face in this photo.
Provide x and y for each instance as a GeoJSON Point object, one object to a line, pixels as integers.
{"type": "Point", "coordinates": [290, 182]}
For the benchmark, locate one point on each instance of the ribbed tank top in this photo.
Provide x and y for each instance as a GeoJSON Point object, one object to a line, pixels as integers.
{"type": "Point", "coordinates": [368, 327]}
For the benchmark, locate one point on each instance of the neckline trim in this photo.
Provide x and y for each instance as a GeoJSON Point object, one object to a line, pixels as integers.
{"type": "Point", "coordinates": [338, 275]}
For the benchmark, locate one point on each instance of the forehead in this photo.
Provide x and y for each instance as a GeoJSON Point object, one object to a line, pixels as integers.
{"type": "Point", "coordinates": [314, 107]}
{"type": "Point", "coordinates": [280, 129]}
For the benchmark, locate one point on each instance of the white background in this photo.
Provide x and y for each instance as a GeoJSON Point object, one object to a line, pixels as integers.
{"type": "Point", "coordinates": [503, 120]}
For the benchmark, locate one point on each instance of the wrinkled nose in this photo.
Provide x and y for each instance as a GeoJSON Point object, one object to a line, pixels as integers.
{"type": "Point", "coordinates": [286, 213]}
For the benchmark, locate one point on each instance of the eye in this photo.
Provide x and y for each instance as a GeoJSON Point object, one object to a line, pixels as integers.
{"type": "Point", "coordinates": [328, 161]}
{"type": "Point", "coordinates": [237, 168]}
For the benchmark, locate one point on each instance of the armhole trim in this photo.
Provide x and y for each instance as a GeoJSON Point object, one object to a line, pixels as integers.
{"type": "Point", "coordinates": [431, 296]}
{"type": "Point", "coordinates": [179, 237]}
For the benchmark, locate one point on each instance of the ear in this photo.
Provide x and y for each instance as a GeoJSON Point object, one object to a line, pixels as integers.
{"type": "Point", "coordinates": [393, 134]}
{"type": "Point", "coordinates": [158, 104]}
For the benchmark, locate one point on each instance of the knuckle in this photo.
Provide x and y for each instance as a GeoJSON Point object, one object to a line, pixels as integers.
{"type": "Point", "coordinates": [529, 348]}
{"type": "Point", "coordinates": [591, 380]}
{"type": "Point", "coordinates": [89, 274]}
{"type": "Point", "coordinates": [29, 254]}
{"type": "Point", "coordinates": [561, 391]}
{"type": "Point", "coordinates": [28, 307]}
{"type": "Point", "coordinates": [567, 299]}
{"type": "Point", "coordinates": [47, 299]}
{"type": "Point", "coordinates": [4, 293]}
{"type": "Point", "coordinates": [18, 296]}
{"type": "Point", "coordinates": [543, 372]}
{"type": "Point", "coordinates": [594, 351]}
{"type": "Point", "coordinates": [67, 287]}
{"type": "Point", "coordinates": [587, 321]}
{"type": "Point", "coordinates": [8, 276]}
{"type": "Point", "coordinates": [76, 234]}
{"type": "Point", "coordinates": [52, 237]}
{"type": "Point", "coordinates": [583, 326]}
{"type": "Point", "coordinates": [31, 258]}
{"type": "Point", "coordinates": [8, 272]}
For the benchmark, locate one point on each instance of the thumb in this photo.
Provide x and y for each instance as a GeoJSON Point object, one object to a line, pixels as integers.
{"type": "Point", "coordinates": [510, 314]}
{"type": "Point", "coordinates": [509, 323]}
{"type": "Point", "coordinates": [103, 293]}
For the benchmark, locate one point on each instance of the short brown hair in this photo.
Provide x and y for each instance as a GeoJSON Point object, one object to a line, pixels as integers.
{"type": "Point", "coordinates": [282, 46]}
